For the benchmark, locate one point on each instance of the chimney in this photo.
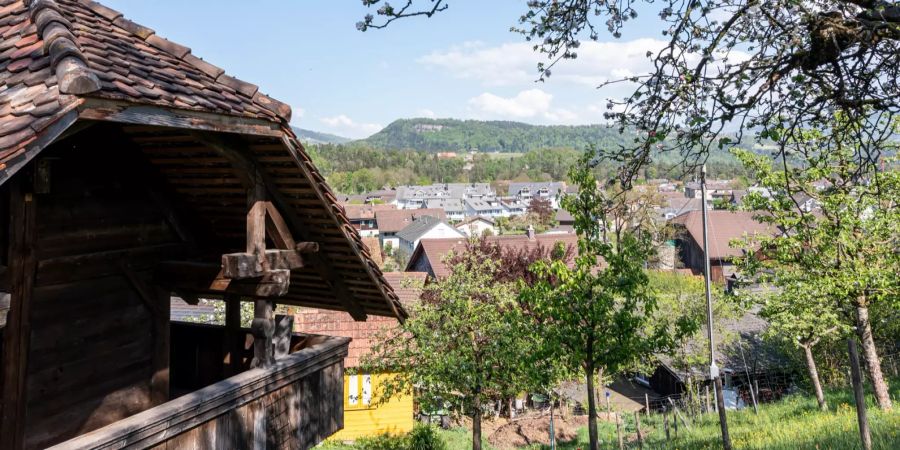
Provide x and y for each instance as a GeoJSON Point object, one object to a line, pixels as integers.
{"type": "Point", "coordinates": [530, 232]}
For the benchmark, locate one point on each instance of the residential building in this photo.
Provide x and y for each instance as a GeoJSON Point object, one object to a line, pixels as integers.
{"type": "Point", "coordinates": [477, 226]}
{"type": "Point", "coordinates": [362, 217]}
{"type": "Point", "coordinates": [390, 222]}
{"type": "Point", "coordinates": [724, 227]}
{"type": "Point", "coordinates": [548, 190]}
{"type": "Point", "coordinates": [425, 227]}
{"type": "Point", "coordinates": [453, 207]}
{"type": "Point", "coordinates": [414, 197]}
{"type": "Point", "coordinates": [486, 207]}
{"type": "Point", "coordinates": [714, 189]}
{"type": "Point", "coordinates": [364, 413]}
{"type": "Point", "coordinates": [101, 120]}
{"type": "Point", "coordinates": [430, 254]}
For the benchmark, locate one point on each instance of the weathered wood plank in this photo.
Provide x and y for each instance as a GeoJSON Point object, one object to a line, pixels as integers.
{"type": "Point", "coordinates": [213, 403]}
{"type": "Point", "coordinates": [17, 333]}
{"type": "Point", "coordinates": [239, 266]}
{"type": "Point", "coordinates": [204, 278]}
{"type": "Point", "coordinates": [263, 328]}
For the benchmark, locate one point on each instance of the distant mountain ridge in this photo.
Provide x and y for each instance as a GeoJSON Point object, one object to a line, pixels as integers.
{"type": "Point", "coordinates": [438, 135]}
{"type": "Point", "coordinates": [317, 137]}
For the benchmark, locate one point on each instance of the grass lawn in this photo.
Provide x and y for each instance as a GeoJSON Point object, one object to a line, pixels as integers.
{"type": "Point", "coordinates": [793, 423]}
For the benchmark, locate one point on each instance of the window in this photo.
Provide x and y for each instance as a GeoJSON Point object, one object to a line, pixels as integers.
{"type": "Point", "coordinates": [359, 392]}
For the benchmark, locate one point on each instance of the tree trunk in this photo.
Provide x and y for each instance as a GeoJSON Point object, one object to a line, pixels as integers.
{"type": "Point", "coordinates": [860, 396]}
{"type": "Point", "coordinates": [592, 408]}
{"type": "Point", "coordinates": [476, 425]}
{"type": "Point", "coordinates": [814, 377]}
{"type": "Point", "coordinates": [873, 362]}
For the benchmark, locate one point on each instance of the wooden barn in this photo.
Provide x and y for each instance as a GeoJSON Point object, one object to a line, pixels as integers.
{"type": "Point", "coordinates": [132, 171]}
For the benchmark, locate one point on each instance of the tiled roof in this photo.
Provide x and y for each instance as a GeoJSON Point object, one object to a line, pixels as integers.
{"type": "Point", "coordinates": [724, 226]}
{"type": "Point", "coordinates": [419, 227]}
{"type": "Point", "coordinates": [63, 61]}
{"type": "Point", "coordinates": [393, 221]}
{"type": "Point", "coordinates": [363, 212]}
{"type": "Point", "coordinates": [435, 250]}
{"type": "Point", "coordinates": [57, 52]}
{"type": "Point", "coordinates": [408, 285]}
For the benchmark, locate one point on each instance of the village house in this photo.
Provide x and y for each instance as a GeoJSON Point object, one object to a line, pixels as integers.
{"type": "Point", "coordinates": [364, 414]}
{"type": "Point", "coordinates": [477, 226]}
{"type": "Point", "coordinates": [425, 227]}
{"type": "Point", "coordinates": [714, 189]}
{"type": "Point", "coordinates": [362, 217]}
{"type": "Point", "coordinates": [485, 207]}
{"type": "Point", "coordinates": [132, 172]}
{"type": "Point", "coordinates": [414, 197]}
{"type": "Point", "coordinates": [390, 222]}
{"type": "Point", "coordinates": [724, 227]}
{"type": "Point", "coordinates": [453, 207]}
{"type": "Point", "coordinates": [430, 254]}
{"type": "Point", "coordinates": [548, 190]}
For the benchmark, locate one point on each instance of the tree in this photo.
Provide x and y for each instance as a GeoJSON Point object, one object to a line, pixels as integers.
{"type": "Point", "coordinates": [798, 314]}
{"type": "Point", "coordinates": [597, 311]}
{"type": "Point", "coordinates": [847, 250]}
{"type": "Point", "coordinates": [727, 66]}
{"type": "Point", "coordinates": [541, 210]}
{"type": "Point", "coordinates": [463, 345]}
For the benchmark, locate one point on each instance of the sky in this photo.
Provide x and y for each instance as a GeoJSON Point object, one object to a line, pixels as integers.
{"type": "Point", "coordinates": [462, 63]}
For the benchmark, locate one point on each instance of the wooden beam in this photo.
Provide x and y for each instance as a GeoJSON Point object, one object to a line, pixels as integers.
{"type": "Point", "coordinates": [239, 266]}
{"type": "Point", "coordinates": [204, 278]}
{"type": "Point", "coordinates": [233, 346]}
{"type": "Point", "coordinates": [263, 328]}
{"type": "Point", "coordinates": [278, 229]}
{"type": "Point", "coordinates": [244, 163]}
{"type": "Point", "coordinates": [22, 231]}
{"type": "Point", "coordinates": [158, 303]}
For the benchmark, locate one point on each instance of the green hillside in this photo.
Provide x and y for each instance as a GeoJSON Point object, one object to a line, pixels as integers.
{"type": "Point", "coordinates": [435, 135]}
{"type": "Point", "coordinates": [317, 137]}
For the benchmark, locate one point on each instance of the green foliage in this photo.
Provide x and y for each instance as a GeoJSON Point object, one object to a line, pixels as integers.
{"type": "Point", "coordinates": [436, 135]}
{"type": "Point", "coordinates": [599, 313]}
{"type": "Point", "coordinates": [425, 437]}
{"type": "Point", "coordinates": [462, 346]}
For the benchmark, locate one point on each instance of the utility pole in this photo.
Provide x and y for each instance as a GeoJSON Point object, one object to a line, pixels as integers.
{"type": "Point", "coordinates": [713, 368]}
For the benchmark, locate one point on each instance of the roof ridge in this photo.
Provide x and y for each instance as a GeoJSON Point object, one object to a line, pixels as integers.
{"type": "Point", "coordinates": [182, 53]}
{"type": "Point", "coordinates": [72, 72]}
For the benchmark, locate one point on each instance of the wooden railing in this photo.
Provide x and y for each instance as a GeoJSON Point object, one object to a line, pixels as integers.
{"type": "Point", "coordinates": [296, 403]}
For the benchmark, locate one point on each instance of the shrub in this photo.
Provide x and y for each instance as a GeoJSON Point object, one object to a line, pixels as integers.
{"type": "Point", "coordinates": [383, 442]}
{"type": "Point", "coordinates": [426, 437]}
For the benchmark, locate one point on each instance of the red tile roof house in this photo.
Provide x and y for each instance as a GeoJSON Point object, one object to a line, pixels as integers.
{"type": "Point", "coordinates": [390, 222]}
{"type": "Point", "coordinates": [724, 227]}
{"type": "Point", "coordinates": [362, 217]}
{"type": "Point", "coordinates": [430, 254]}
{"type": "Point", "coordinates": [131, 171]}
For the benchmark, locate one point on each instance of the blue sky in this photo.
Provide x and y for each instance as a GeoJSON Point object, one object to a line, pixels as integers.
{"type": "Point", "coordinates": [463, 63]}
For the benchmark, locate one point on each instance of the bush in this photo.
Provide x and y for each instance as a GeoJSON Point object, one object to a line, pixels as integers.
{"type": "Point", "coordinates": [426, 437]}
{"type": "Point", "coordinates": [422, 437]}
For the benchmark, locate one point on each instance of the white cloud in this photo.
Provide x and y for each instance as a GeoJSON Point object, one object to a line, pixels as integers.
{"type": "Point", "coordinates": [533, 104]}
{"type": "Point", "coordinates": [515, 63]}
{"type": "Point", "coordinates": [345, 126]}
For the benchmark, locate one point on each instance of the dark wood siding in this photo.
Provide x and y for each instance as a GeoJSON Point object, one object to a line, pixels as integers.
{"type": "Point", "coordinates": [92, 334]}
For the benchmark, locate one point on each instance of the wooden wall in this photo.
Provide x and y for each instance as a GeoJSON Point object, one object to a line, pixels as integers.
{"type": "Point", "coordinates": [91, 344]}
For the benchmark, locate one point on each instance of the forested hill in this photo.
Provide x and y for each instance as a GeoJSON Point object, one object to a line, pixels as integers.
{"type": "Point", "coordinates": [317, 137]}
{"type": "Point", "coordinates": [436, 135]}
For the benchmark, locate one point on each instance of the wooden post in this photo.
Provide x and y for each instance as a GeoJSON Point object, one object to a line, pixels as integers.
{"type": "Point", "coordinates": [159, 382]}
{"type": "Point", "coordinates": [666, 423]}
{"type": "Point", "coordinates": [647, 404]}
{"type": "Point", "coordinates": [859, 394]}
{"type": "Point", "coordinates": [637, 425]}
{"type": "Point", "coordinates": [723, 420]}
{"type": "Point", "coordinates": [234, 338]}
{"type": "Point", "coordinates": [284, 328]}
{"type": "Point", "coordinates": [619, 432]}
{"type": "Point", "coordinates": [263, 329]}
{"type": "Point", "coordinates": [674, 419]}
{"type": "Point", "coordinates": [756, 388]}
{"type": "Point", "coordinates": [17, 333]}
{"type": "Point", "coordinates": [706, 397]}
